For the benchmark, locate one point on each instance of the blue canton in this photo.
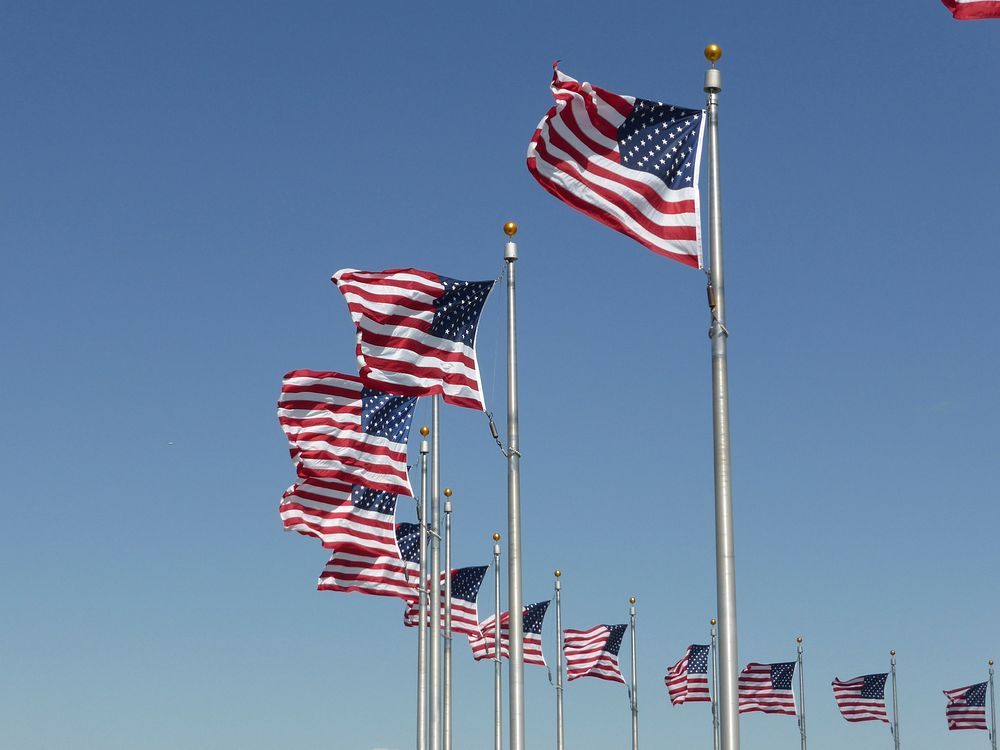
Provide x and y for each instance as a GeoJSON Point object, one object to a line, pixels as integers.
{"type": "Point", "coordinates": [976, 695]}
{"type": "Point", "coordinates": [874, 686]}
{"type": "Point", "coordinates": [615, 639]}
{"type": "Point", "coordinates": [408, 541]}
{"type": "Point", "coordinates": [533, 616]}
{"type": "Point", "coordinates": [698, 660]}
{"type": "Point", "coordinates": [781, 675]}
{"type": "Point", "coordinates": [465, 583]}
{"type": "Point", "coordinates": [457, 310]}
{"type": "Point", "coordinates": [661, 139]}
{"type": "Point", "coordinates": [387, 416]}
{"type": "Point", "coordinates": [365, 498]}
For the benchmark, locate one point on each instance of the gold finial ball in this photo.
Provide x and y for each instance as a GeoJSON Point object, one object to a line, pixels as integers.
{"type": "Point", "coordinates": [425, 430]}
{"type": "Point", "coordinates": [712, 53]}
{"type": "Point", "coordinates": [631, 600]}
{"type": "Point", "coordinates": [496, 536]}
{"type": "Point", "coordinates": [712, 621]}
{"type": "Point", "coordinates": [798, 639]}
{"type": "Point", "coordinates": [558, 573]}
{"type": "Point", "coordinates": [447, 491]}
{"type": "Point", "coordinates": [510, 228]}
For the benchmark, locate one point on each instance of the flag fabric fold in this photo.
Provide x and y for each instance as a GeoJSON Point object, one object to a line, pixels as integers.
{"type": "Point", "coordinates": [416, 332]}
{"type": "Point", "coordinates": [631, 164]}
{"type": "Point", "coordinates": [767, 688]}
{"type": "Point", "coordinates": [594, 652]}
{"type": "Point", "coordinates": [341, 515]}
{"type": "Point", "coordinates": [465, 584]}
{"type": "Point", "coordinates": [973, 10]}
{"type": "Point", "coordinates": [532, 617]}
{"type": "Point", "coordinates": [966, 707]}
{"type": "Point", "coordinates": [687, 680]}
{"type": "Point", "coordinates": [863, 698]}
{"type": "Point", "coordinates": [340, 431]}
{"type": "Point", "coordinates": [375, 572]}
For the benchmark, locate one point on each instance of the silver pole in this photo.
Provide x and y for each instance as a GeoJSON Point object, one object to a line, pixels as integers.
{"type": "Point", "coordinates": [993, 711]}
{"type": "Point", "coordinates": [895, 703]}
{"type": "Point", "coordinates": [446, 714]}
{"type": "Point", "coordinates": [715, 689]}
{"type": "Point", "coordinates": [434, 684]}
{"type": "Point", "coordinates": [497, 664]}
{"type": "Point", "coordinates": [635, 687]}
{"type": "Point", "coordinates": [802, 694]}
{"type": "Point", "coordinates": [559, 664]}
{"type": "Point", "coordinates": [725, 556]}
{"type": "Point", "coordinates": [422, 593]}
{"type": "Point", "coordinates": [514, 605]}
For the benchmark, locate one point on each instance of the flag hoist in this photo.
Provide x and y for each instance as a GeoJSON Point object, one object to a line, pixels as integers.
{"type": "Point", "coordinates": [559, 662]}
{"type": "Point", "coordinates": [715, 686]}
{"type": "Point", "coordinates": [514, 603]}
{"type": "Point", "coordinates": [422, 593]}
{"type": "Point", "coordinates": [802, 693]}
{"type": "Point", "coordinates": [497, 665]}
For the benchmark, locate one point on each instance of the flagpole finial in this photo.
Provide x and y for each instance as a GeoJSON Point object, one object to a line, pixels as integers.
{"type": "Point", "coordinates": [496, 536]}
{"type": "Point", "coordinates": [892, 652]}
{"type": "Point", "coordinates": [631, 600]}
{"type": "Point", "coordinates": [447, 491]}
{"type": "Point", "coordinates": [510, 228]}
{"type": "Point", "coordinates": [798, 639]}
{"type": "Point", "coordinates": [712, 621]}
{"type": "Point", "coordinates": [558, 573]}
{"type": "Point", "coordinates": [990, 662]}
{"type": "Point", "coordinates": [712, 53]}
{"type": "Point", "coordinates": [425, 430]}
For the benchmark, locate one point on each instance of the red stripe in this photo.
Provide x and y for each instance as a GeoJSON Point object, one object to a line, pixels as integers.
{"type": "Point", "coordinates": [418, 346]}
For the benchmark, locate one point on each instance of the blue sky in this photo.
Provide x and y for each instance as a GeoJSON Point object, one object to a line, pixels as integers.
{"type": "Point", "coordinates": [181, 182]}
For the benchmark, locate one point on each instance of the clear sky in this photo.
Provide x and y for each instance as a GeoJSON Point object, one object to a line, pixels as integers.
{"type": "Point", "coordinates": [179, 183]}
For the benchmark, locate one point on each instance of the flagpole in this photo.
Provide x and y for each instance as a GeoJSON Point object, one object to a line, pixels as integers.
{"type": "Point", "coordinates": [422, 594]}
{"type": "Point", "coordinates": [434, 683]}
{"type": "Point", "coordinates": [993, 711]}
{"type": "Point", "coordinates": [516, 626]}
{"type": "Point", "coordinates": [446, 716]}
{"type": "Point", "coordinates": [725, 561]}
{"type": "Point", "coordinates": [497, 669]}
{"type": "Point", "coordinates": [715, 689]}
{"type": "Point", "coordinates": [559, 663]}
{"type": "Point", "coordinates": [635, 687]}
{"type": "Point", "coordinates": [802, 694]}
{"type": "Point", "coordinates": [895, 703]}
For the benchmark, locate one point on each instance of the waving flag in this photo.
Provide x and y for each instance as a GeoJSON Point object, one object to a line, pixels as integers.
{"type": "Point", "coordinates": [687, 680]}
{"type": "Point", "coordinates": [341, 515]}
{"type": "Point", "coordinates": [417, 332]}
{"type": "Point", "coordinates": [373, 572]}
{"type": "Point", "coordinates": [465, 583]}
{"type": "Point", "coordinates": [767, 688]}
{"type": "Point", "coordinates": [966, 707]}
{"type": "Point", "coordinates": [594, 652]}
{"type": "Point", "coordinates": [630, 163]}
{"type": "Point", "coordinates": [338, 430]}
{"type": "Point", "coordinates": [531, 618]}
{"type": "Point", "coordinates": [863, 698]}
{"type": "Point", "coordinates": [973, 10]}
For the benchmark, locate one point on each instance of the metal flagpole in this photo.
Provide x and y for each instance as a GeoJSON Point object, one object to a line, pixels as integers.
{"type": "Point", "coordinates": [422, 593]}
{"type": "Point", "coordinates": [725, 561]}
{"type": "Point", "coordinates": [434, 683]}
{"type": "Point", "coordinates": [446, 713]}
{"type": "Point", "coordinates": [635, 688]}
{"type": "Point", "coordinates": [514, 606]}
{"type": "Point", "coordinates": [497, 670]}
{"type": "Point", "coordinates": [802, 694]}
{"type": "Point", "coordinates": [993, 711]}
{"type": "Point", "coordinates": [895, 703]}
{"type": "Point", "coordinates": [559, 663]}
{"type": "Point", "coordinates": [715, 689]}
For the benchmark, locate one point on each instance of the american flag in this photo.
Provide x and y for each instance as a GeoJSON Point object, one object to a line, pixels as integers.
{"type": "Point", "coordinates": [341, 515]}
{"type": "Point", "coordinates": [966, 707]}
{"type": "Point", "coordinates": [531, 618]}
{"type": "Point", "coordinates": [339, 430]}
{"type": "Point", "coordinates": [863, 698]}
{"type": "Point", "coordinates": [687, 680]}
{"type": "Point", "coordinates": [371, 572]}
{"type": "Point", "coordinates": [417, 332]}
{"type": "Point", "coordinates": [465, 583]}
{"type": "Point", "coordinates": [594, 652]}
{"type": "Point", "coordinates": [972, 10]}
{"type": "Point", "coordinates": [630, 163]}
{"type": "Point", "coordinates": [767, 688]}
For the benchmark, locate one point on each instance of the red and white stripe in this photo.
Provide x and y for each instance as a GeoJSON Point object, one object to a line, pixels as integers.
{"type": "Point", "coordinates": [586, 657]}
{"type": "Point", "coordinates": [393, 311]}
{"type": "Point", "coordinates": [684, 687]}
{"type": "Point", "coordinates": [486, 648]}
{"type": "Point", "coordinates": [368, 573]}
{"type": "Point", "coordinates": [464, 616]}
{"type": "Point", "coordinates": [973, 10]}
{"type": "Point", "coordinates": [323, 509]}
{"type": "Point", "coordinates": [574, 155]}
{"type": "Point", "coordinates": [320, 413]}
{"type": "Point", "coordinates": [961, 715]}
{"type": "Point", "coordinates": [757, 692]}
{"type": "Point", "coordinates": [852, 706]}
